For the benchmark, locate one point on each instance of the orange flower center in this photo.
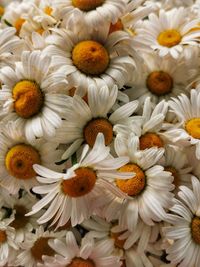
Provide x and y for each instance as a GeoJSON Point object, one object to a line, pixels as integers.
{"type": "Point", "coordinates": [18, 24]}
{"type": "Point", "coordinates": [159, 83]}
{"type": "Point", "coordinates": [118, 26]}
{"type": "Point", "coordinates": [193, 127]}
{"type": "Point", "coordinates": [1, 11]}
{"type": "Point", "coordinates": [175, 174]}
{"type": "Point", "coordinates": [90, 57]}
{"type": "Point", "coordinates": [3, 236]}
{"type": "Point", "coordinates": [81, 184]}
{"type": "Point", "coordinates": [41, 248]}
{"type": "Point", "coordinates": [149, 140]}
{"type": "Point", "coordinates": [79, 262]}
{"type": "Point", "coordinates": [135, 185]}
{"type": "Point", "coordinates": [48, 10]}
{"type": "Point", "coordinates": [87, 5]}
{"type": "Point", "coordinates": [169, 38]}
{"type": "Point", "coordinates": [19, 161]}
{"type": "Point", "coordinates": [20, 220]}
{"type": "Point", "coordinates": [195, 229]}
{"type": "Point", "coordinates": [118, 242]}
{"type": "Point", "coordinates": [96, 126]}
{"type": "Point", "coordinates": [28, 99]}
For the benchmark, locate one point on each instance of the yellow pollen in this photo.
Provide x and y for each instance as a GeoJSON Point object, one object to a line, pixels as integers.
{"type": "Point", "coordinates": [90, 57]}
{"type": "Point", "coordinates": [48, 10]}
{"type": "Point", "coordinates": [175, 174]}
{"type": "Point", "coordinates": [135, 185]}
{"type": "Point", "coordinates": [195, 229]}
{"type": "Point", "coordinates": [87, 5]}
{"type": "Point", "coordinates": [149, 140]}
{"type": "Point", "coordinates": [118, 242]}
{"type": "Point", "coordinates": [193, 127]}
{"type": "Point", "coordinates": [41, 248]}
{"type": "Point", "coordinates": [118, 26]}
{"type": "Point", "coordinates": [159, 83]}
{"type": "Point", "coordinates": [18, 24]}
{"type": "Point", "coordinates": [20, 220]}
{"type": "Point", "coordinates": [40, 31]}
{"type": "Point", "coordinates": [3, 236]}
{"type": "Point", "coordinates": [96, 126]}
{"type": "Point", "coordinates": [19, 161]}
{"type": "Point", "coordinates": [81, 184]}
{"type": "Point", "coordinates": [28, 99]}
{"type": "Point", "coordinates": [79, 262]}
{"type": "Point", "coordinates": [72, 93]}
{"type": "Point", "coordinates": [169, 38]}
{"type": "Point", "coordinates": [1, 11]}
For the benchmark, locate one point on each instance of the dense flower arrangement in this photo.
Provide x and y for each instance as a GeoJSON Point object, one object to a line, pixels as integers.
{"type": "Point", "coordinates": [100, 133]}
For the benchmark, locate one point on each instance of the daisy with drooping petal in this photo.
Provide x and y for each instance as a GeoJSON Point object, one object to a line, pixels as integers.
{"type": "Point", "coordinates": [185, 221]}
{"type": "Point", "coordinates": [84, 121]}
{"type": "Point", "coordinates": [75, 194]}
{"type": "Point", "coordinates": [31, 96]}
{"type": "Point", "coordinates": [169, 32]}
{"type": "Point", "coordinates": [18, 156]}
{"type": "Point", "coordinates": [88, 254]}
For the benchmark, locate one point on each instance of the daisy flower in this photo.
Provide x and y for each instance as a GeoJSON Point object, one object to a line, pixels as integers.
{"type": "Point", "coordinates": [84, 121]}
{"type": "Point", "coordinates": [75, 194]}
{"type": "Point", "coordinates": [36, 246]}
{"type": "Point", "coordinates": [148, 191]}
{"type": "Point", "coordinates": [92, 57]}
{"type": "Point", "coordinates": [31, 95]}
{"type": "Point", "coordinates": [18, 156]}
{"type": "Point", "coordinates": [185, 220]}
{"type": "Point", "coordinates": [169, 32]}
{"type": "Point", "coordinates": [186, 132]}
{"type": "Point", "coordinates": [88, 254]}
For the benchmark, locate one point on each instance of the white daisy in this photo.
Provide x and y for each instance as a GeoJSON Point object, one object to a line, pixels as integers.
{"type": "Point", "coordinates": [18, 156]}
{"type": "Point", "coordinates": [84, 121]}
{"type": "Point", "coordinates": [89, 177]}
{"type": "Point", "coordinates": [89, 254]}
{"type": "Point", "coordinates": [92, 58]}
{"type": "Point", "coordinates": [187, 111]}
{"type": "Point", "coordinates": [35, 246]}
{"type": "Point", "coordinates": [32, 96]}
{"type": "Point", "coordinates": [185, 220]}
{"type": "Point", "coordinates": [169, 32]}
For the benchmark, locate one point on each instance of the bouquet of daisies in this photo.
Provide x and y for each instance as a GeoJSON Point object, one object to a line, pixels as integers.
{"type": "Point", "coordinates": [100, 133]}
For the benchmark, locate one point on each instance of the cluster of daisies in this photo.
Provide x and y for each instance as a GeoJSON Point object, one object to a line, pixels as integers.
{"type": "Point", "coordinates": [100, 133]}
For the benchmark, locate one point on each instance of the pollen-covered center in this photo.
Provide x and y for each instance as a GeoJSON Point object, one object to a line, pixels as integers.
{"type": "Point", "coordinates": [149, 140]}
{"type": "Point", "coordinates": [135, 185]}
{"type": "Point", "coordinates": [193, 127]}
{"type": "Point", "coordinates": [18, 24]}
{"type": "Point", "coordinates": [3, 236]}
{"type": "Point", "coordinates": [41, 248]}
{"type": "Point", "coordinates": [87, 5]}
{"type": "Point", "coordinates": [159, 83]}
{"type": "Point", "coordinates": [175, 174]}
{"type": "Point", "coordinates": [48, 10]}
{"type": "Point", "coordinates": [79, 262]}
{"type": "Point", "coordinates": [195, 229]}
{"type": "Point", "coordinates": [20, 159]}
{"type": "Point", "coordinates": [169, 38]}
{"type": "Point", "coordinates": [96, 126]}
{"type": "Point", "coordinates": [81, 184]}
{"type": "Point", "coordinates": [119, 243]}
{"type": "Point", "coordinates": [20, 220]}
{"type": "Point", "coordinates": [2, 10]}
{"type": "Point", "coordinates": [90, 57]}
{"type": "Point", "coordinates": [118, 26]}
{"type": "Point", "coordinates": [28, 98]}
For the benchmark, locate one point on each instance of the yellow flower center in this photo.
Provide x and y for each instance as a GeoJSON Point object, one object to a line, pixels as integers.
{"type": "Point", "coordinates": [149, 140]}
{"type": "Point", "coordinates": [195, 229]}
{"type": "Point", "coordinates": [169, 38]}
{"type": "Point", "coordinates": [79, 262]}
{"type": "Point", "coordinates": [193, 127]}
{"type": "Point", "coordinates": [96, 126]}
{"type": "Point", "coordinates": [18, 24]}
{"type": "Point", "coordinates": [19, 161]}
{"type": "Point", "coordinates": [135, 185]}
{"type": "Point", "coordinates": [118, 242]}
{"type": "Point", "coordinates": [28, 99]}
{"type": "Point", "coordinates": [3, 236]}
{"type": "Point", "coordinates": [48, 10]}
{"type": "Point", "coordinates": [118, 26]}
{"type": "Point", "coordinates": [90, 57]}
{"type": "Point", "coordinates": [20, 220]}
{"type": "Point", "coordinates": [41, 248]}
{"type": "Point", "coordinates": [81, 184]}
{"type": "Point", "coordinates": [1, 11]}
{"type": "Point", "coordinates": [87, 5]}
{"type": "Point", "coordinates": [159, 83]}
{"type": "Point", "coordinates": [175, 174]}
